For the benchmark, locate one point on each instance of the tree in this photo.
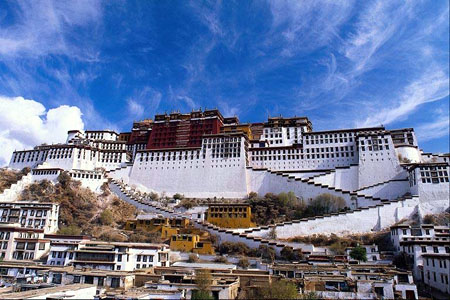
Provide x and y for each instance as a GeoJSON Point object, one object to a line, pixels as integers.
{"type": "Point", "coordinates": [252, 195]}
{"type": "Point", "coordinates": [203, 281]}
{"type": "Point", "coordinates": [359, 253]}
{"type": "Point", "coordinates": [267, 252]}
{"type": "Point", "coordinates": [288, 253]}
{"type": "Point", "coordinates": [272, 234]}
{"type": "Point", "coordinates": [106, 217]}
{"type": "Point", "coordinates": [64, 179]}
{"type": "Point", "coordinates": [243, 263]}
{"type": "Point", "coordinates": [280, 289]}
{"type": "Point", "coordinates": [326, 203]}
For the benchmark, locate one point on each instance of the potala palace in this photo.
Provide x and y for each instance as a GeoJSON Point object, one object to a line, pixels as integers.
{"type": "Point", "coordinates": [382, 174]}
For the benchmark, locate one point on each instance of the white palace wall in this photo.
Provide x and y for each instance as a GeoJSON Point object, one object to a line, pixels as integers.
{"type": "Point", "coordinates": [202, 178]}
{"type": "Point", "coordinates": [263, 182]}
{"type": "Point", "coordinates": [387, 190]}
{"type": "Point", "coordinates": [367, 220]}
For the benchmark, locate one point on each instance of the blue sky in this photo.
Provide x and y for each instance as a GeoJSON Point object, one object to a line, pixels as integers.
{"type": "Point", "coordinates": [343, 64]}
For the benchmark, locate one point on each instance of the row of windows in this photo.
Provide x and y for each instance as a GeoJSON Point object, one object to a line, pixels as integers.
{"type": "Point", "coordinates": [329, 141]}
{"type": "Point", "coordinates": [308, 156]}
{"type": "Point", "coordinates": [4, 235]}
{"type": "Point", "coordinates": [434, 174]}
{"type": "Point", "coordinates": [229, 209]}
{"type": "Point", "coordinates": [374, 148]}
{"type": "Point", "coordinates": [45, 172]}
{"type": "Point", "coordinates": [87, 176]}
{"type": "Point", "coordinates": [144, 258]}
{"type": "Point", "coordinates": [444, 277]}
{"type": "Point", "coordinates": [221, 140]}
{"type": "Point", "coordinates": [20, 255]}
{"type": "Point", "coordinates": [228, 215]}
{"type": "Point", "coordinates": [330, 135]}
{"type": "Point", "coordinates": [110, 146]}
{"type": "Point", "coordinates": [25, 212]}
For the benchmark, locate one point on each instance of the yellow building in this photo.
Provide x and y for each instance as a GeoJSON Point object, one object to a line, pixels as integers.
{"type": "Point", "coordinates": [191, 243]}
{"type": "Point", "coordinates": [231, 128]}
{"type": "Point", "coordinates": [166, 226]}
{"type": "Point", "coordinates": [230, 215]}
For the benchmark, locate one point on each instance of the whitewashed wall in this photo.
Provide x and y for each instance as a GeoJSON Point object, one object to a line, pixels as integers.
{"type": "Point", "coordinates": [387, 190]}
{"type": "Point", "coordinates": [367, 220]}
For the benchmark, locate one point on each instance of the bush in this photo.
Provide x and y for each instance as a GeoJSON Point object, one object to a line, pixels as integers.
{"type": "Point", "coordinates": [234, 248]}
{"type": "Point", "coordinates": [221, 259]}
{"type": "Point", "coordinates": [338, 248]}
{"type": "Point", "coordinates": [193, 258]}
{"type": "Point", "coordinates": [154, 196]}
{"type": "Point", "coordinates": [69, 230]}
{"type": "Point", "coordinates": [178, 196]}
{"type": "Point", "coordinates": [281, 289]}
{"type": "Point", "coordinates": [106, 217]}
{"type": "Point", "coordinates": [243, 263]}
{"type": "Point", "coordinates": [187, 203]}
{"type": "Point", "coordinates": [112, 237]}
{"type": "Point", "coordinates": [140, 236]}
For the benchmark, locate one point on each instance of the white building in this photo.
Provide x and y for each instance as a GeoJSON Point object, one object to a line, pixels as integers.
{"type": "Point", "coordinates": [37, 215]}
{"type": "Point", "coordinates": [203, 155]}
{"type": "Point", "coordinates": [428, 247]}
{"type": "Point", "coordinates": [372, 252]}
{"type": "Point", "coordinates": [108, 255]}
{"type": "Point", "coordinates": [436, 271]}
{"type": "Point", "coordinates": [22, 244]}
{"type": "Point", "coordinates": [23, 227]}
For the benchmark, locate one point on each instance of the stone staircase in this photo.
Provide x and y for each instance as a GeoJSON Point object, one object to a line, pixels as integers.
{"type": "Point", "coordinates": [128, 194]}
{"type": "Point", "coordinates": [319, 188]}
{"type": "Point", "coordinates": [361, 220]}
{"type": "Point", "coordinates": [11, 194]}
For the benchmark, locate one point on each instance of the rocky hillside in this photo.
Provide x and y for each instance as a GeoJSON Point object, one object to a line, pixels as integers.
{"type": "Point", "coordinates": [84, 212]}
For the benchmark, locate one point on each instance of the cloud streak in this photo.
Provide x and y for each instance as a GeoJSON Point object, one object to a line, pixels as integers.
{"type": "Point", "coordinates": [432, 86]}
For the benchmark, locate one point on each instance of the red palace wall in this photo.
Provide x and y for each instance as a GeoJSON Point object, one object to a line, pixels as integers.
{"type": "Point", "coordinates": [182, 133]}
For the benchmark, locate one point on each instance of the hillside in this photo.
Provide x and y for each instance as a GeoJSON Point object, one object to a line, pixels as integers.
{"type": "Point", "coordinates": [81, 210]}
{"type": "Point", "coordinates": [9, 177]}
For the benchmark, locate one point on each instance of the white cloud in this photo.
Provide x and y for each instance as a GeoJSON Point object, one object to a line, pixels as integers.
{"type": "Point", "coordinates": [25, 123]}
{"type": "Point", "coordinates": [432, 86]}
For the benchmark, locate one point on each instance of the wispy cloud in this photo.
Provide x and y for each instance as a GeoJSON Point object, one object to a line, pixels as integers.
{"type": "Point", "coordinates": [42, 28]}
{"type": "Point", "coordinates": [436, 129]}
{"type": "Point", "coordinates": [376, 25]}
{"type": "Point", "coordinates": [144, 102]}
{"type": "Point", "coordinates": [432, 86]}
{"type": "Point", "coordinates": [307, 25]}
